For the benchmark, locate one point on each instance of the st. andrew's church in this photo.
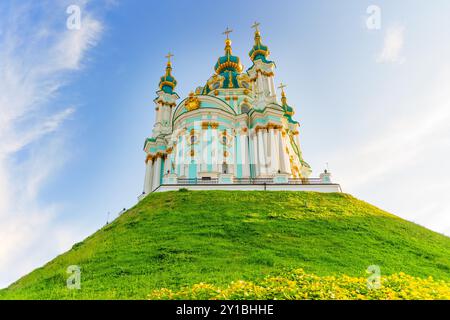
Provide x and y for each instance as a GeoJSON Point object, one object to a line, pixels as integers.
{"type": "Point", "coordinates": [232, 133]}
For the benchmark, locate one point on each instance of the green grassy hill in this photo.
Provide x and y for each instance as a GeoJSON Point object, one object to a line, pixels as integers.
{"type": "Point", "coordinates": [176, 239]}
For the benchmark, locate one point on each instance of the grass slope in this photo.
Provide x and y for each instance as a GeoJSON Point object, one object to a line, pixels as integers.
{"type": "Point", "coordinates": [177, 239]}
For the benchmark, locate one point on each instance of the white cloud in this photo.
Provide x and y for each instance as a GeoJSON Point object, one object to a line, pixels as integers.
{"type": "Point", "coordinates": [393, 45]}
{"type": "Point", "coordinates": [36, 56]}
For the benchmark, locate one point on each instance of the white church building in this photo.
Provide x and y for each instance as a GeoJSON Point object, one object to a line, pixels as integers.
{"type": "Point", "coordinates": [233, 133]}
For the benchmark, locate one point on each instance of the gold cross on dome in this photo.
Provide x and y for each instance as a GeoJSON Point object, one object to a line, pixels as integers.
{"type": "Point", "coordinates": [256, 26]}
{"type": "Point", "coordinates": [227, 32]}
{"type": "Point", "coordinates": [169, 55]}
{"type": "Point", "coordinates": [282, 86]}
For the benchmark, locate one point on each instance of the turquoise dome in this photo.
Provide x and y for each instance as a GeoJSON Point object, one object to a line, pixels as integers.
{"type": "Point", "coordinates": [228, 62]}
{"type": "Point", "coordinates": [168, 82]}
{"type": "Point", "coordinates": [259, 51]}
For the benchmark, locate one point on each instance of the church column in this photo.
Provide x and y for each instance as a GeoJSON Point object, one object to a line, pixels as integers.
{"type": "Point", "coordinates": [261, 133]}
{"type": "Point", "coordinates": [156, 172]}
{"type": "Point", "coordinates": [272, 86]}
{"type": "Point", "coordinates": [169, 162]}
{"type": "Point", "coordinates": [273, 155]}
{"type": "Point", "coordinates": [166, 164]}
{"type": "Point", "coordinates": [148, 176]}
{"type": "Point", "coordinates": [183, 159]}
{"type": "Point", "coordinates": [265, 81]}
{"type": "Point", "coordinates": [204, 149]}
{"type": "Point", "coordinates": [158, 114]}
{"type": "Point", "coordinates": [166, 113]}
{"type": "Point", "coordinates": [215, 149]}
{"type": "Point", "coordinates": [245, 153]}
{"type": "Point", "coordinates": [259, 87]}
{"type": "Point", "coordinates": [281, 152]}
{"type": "Point", "coordinates": [254, 155]}
{"type": "Point", "coordinates": [286, 143]}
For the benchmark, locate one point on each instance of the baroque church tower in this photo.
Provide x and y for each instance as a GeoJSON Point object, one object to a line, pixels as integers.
{"type": "Point", "coordinates": [232, 130]}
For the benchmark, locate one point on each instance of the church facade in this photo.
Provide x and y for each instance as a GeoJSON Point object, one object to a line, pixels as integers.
{"type": "Point", "coordinates": [234, 129]}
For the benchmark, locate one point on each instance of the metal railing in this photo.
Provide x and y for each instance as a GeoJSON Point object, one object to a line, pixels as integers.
{"type": "Point", "coordinates": [260, 181]}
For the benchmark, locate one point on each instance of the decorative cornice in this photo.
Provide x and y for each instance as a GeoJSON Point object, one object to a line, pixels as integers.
{"type": "Point", "coordinates": [212, 125]}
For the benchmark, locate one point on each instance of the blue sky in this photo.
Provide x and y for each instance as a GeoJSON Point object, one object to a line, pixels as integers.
{"type": "Point", "coordinates": [76, 105]}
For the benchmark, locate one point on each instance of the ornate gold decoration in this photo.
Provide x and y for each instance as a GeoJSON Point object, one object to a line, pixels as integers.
{"type": "Point", "coordinates": [215, 82]}
{"type": "Point", "coordinates": [268, 127]}
{"type": "Point", "coordinates": [230, 79]}
{"type": "Point", "coordinates": [213, 125]}
{"type": "Point", "coordinates": [229, 64]}
{"type": "Point", "coordinates": [149, 158]}
{"type": "Point", "coordinates": [192, 153]}
{"type": "Point", "coordinates": [192, 103]}
{"type": "Point", "coordinates": [225, 154]}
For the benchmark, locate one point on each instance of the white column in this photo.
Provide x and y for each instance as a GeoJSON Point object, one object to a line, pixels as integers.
{"type": "Point", "coordinates": [245, 157]}
{"type": "Point", "coordinates": [166, 164]}
{"type": "Point", "coordinates": [286, 142]}
{"type": "Point", "coordinates": [273, 154]}
{"type": "Point", "coordinates": [266, 85]}
{"type": "Point", "coordinates": [214, 150]}
{"type": "Point", "coordinates": [156, 173]}
{"type": "Point", "coordinates": [165, 113]}
{"type": "Point", "coordinates": [254, 158]}
{"type": "Point", "coordinates": [158, 113]}
{"type": "Point", "coordinates": [262, 152]}
{"type": "Point", "coordinates": [148, 177]}
{"type": "Point", "coordinates": [281, 152]}
{"type": "Point", "coordinates": [183, 159]}
{"type": "Point", "coordinates": [260, 89]}
{"type": "Point", "coordinates": [177, 158]}
{"type": "Point", "coordinates": [272, 86]}
{"type": "Point", "coordinates": [204, 150]}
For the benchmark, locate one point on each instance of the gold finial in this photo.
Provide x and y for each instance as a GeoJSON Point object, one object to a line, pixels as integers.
{"type": "Point", "coordinates": [227, 32]}
{"type": "Point", "coordinates": [283, 94]}
{"type": "Point", "coordinates": [228, 41]}
{"type": "Point", "coordinates": [282, 86]}
{"type": "Point", "coordinates": [256, 26]}
{"type": "Point", "coordinates": [169, 63]}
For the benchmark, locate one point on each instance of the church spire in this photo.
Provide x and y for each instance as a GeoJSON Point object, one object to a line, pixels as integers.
{"type": "Point", "coordinates": [259, 51]}
{"type": "Point", "coordinates": [168, 82]}
{"type": "Point", "coordinates": [288, 110]}
{"type": "Point", "coordinates": [228, 50]}
{"type": "Point", "coordinates": [283, 94]}
{"type": "Point", "coordinates": [228, 62]}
